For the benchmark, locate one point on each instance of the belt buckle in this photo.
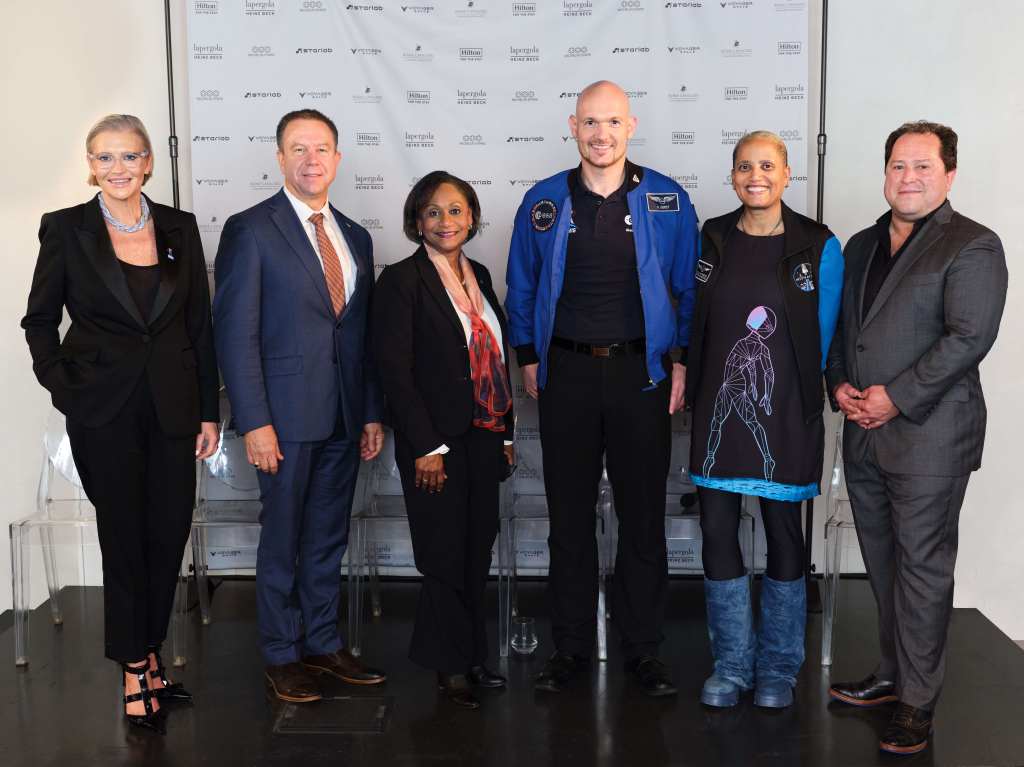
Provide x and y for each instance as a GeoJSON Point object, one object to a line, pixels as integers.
{"type": "Point", "coordinates": [601, 351]}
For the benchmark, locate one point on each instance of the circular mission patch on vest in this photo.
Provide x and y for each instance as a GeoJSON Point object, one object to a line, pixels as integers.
{"type": "Point", "coordinates": [543, 215]}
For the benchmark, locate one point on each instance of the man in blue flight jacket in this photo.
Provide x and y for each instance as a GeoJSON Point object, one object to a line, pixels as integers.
{"type": "Point", "coordinates": [600, 291]}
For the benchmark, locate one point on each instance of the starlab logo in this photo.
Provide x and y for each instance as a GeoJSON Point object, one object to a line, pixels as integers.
{"type": "Point", "coordinates": [259, 7]}
{"type": "Point", "coordinates": [524, 140]}
{"type": "Point", "coordinates": [735, 92]}
{"type": "Point", "coordinates": [211, 182]}
{"type": "Point", "coordinates": [372, 183]}
{"type": "Point", "coordinates": [525, 54]}
{"type": "Point", "coordinates": [677, 6]}
{"type": "Point", "coordinates": [684, 95]}
{"type": "Point", "coordinates": [367, 96]}
{"type": "Point", "coordinates": [471, 54]}
{"type": "Point", "coordinates": [367, 138]}
{"type": "Point", "coordinates": [737, 51]}
{"type": "Point", "coordinates": [315, 95]}
{"type": "Point", "coordinates": [205, 7]}
{"type": "Point", "coordinates": [418, 55]}
{"type": "Point", "coordinates": [470, 11]}
{"type": "Point", "coordinates": [313, 51]}
{"type": "Point", "coordinates": [364, 8]}
{"type": "Point", "coordinates": [476, 97]}
{"type": "Point", "coordinates": [683, 50]}
{"type": "Point", "coordinates": [262, 139]}
{"type": "Point", "coordinates": [207, 52]}
{"type": "Point", "coordinates": [525, 96]}
{"type": "Point", "coordinates": [418, 10]}
{"type": "Point", "coordinates": [730, 137]}
{"type": "Point", "coordinates": [632, 51]}
{"type": "Point", "coordinates": [260, 52]}
{"type": "Point", "coordinates": [209, 94]}
{"type": "Point", "coordinates": [683, 137]}
{"type": "Point", "coordinates": [524, 9]}
{"type": "Point", "coordinates": [630, 6]}
{"type": "Point", "coordinates": [422, 140]}
{"type": "Point", "coordinates": [417, 97]}
{"type": "Point", "coordinates": [210, 139]}
{"type": "Point", "coordinates": [365, 51]}
{"type": "Point", "coordinates": [687, 180]}
{"type": "Point", "coordinates": [312, 6]}
{"type": "Point", "coordinates": [789, 92]}
{"type": "Point", "coordinates": [569, 95]}
{"type": "Point", "coordinates": [262, 95]}
{"type": "Point", "coordinates": [790, 48]}
{"type": "Point", "coordinates": [577, 8]}
{"type": "Point", "coordinates": [577, 52]}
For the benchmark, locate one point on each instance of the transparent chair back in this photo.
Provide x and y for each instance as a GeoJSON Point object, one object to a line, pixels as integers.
{"type": "Point", "coordinates": [840, 535]}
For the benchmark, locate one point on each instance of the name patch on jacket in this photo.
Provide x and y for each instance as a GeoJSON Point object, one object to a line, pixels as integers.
{"type": "Point", "coordinates": [543, 215]}
{"type": "Point", "coordinates": [663, 203]}
{"type": "Point", "coordinates": [703, 273]}
{"type": "Point", "coordinates": [803, 278]}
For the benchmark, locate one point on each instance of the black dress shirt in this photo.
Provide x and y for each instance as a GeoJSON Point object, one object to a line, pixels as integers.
{"type": "Point", "coordinates": [884, 260]}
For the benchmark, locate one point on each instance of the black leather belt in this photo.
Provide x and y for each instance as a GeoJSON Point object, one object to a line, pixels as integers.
{"type": "Point", "coordinates": [636, 346]}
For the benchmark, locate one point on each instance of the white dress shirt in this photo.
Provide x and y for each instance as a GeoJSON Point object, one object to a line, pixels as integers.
{"type": "Point", "coordinates": [348, 264]}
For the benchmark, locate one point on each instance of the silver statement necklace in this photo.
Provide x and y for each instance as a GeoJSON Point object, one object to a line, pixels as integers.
{"type": "Point", "coordinates": [126, 228]}
{"type": "Point", "coordinates": [769, 234]}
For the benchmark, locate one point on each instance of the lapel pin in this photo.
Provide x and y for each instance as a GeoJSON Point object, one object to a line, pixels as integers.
{"type": "Point", "coordinates": [170, 254]}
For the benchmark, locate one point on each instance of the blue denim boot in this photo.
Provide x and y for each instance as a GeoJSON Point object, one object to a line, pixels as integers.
{"type": "Point", "coordinates": [780, 641]}
{"type": "Point", "coordinates": [731, 630]}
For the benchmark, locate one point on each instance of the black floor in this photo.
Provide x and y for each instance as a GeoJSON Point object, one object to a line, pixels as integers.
{"type": "Point", "coordinates": [63, 710]}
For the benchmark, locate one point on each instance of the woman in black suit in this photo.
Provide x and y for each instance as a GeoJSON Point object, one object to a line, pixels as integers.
{"type": "Point", "coordinates": [136, 376]}
{"type": "Point", "coordinates": [438, 340]}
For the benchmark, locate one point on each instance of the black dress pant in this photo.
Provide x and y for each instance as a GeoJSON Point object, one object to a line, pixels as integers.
{"type": "Point", "coordinates": [590, 406]}
{"type": "Point", "coordinates": [452, 535]}
{"type": "Point", "coordinates": [142, 483]}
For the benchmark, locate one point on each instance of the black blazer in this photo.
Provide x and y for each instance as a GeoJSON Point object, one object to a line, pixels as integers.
{"type": "Point", "coordinates": [91, 372]}
{"type": "Point", "coordinates": [420, 348]}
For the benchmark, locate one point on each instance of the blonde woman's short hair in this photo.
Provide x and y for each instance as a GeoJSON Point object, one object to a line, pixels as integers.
{"type": "Point", "coordinates": [126, 123]}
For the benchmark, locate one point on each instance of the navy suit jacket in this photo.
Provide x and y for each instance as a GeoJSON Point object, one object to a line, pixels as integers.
{"type": "Point", "coordinates": [285, 358]}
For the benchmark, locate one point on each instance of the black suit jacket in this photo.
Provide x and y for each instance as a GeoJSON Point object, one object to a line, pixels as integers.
{"type": "Point", "coordinates": [109, 346]}
{"type": "Point", "coordinates": [420, 348]}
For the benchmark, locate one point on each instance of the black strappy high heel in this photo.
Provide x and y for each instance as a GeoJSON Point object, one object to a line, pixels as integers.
{"type": "Point", "coordinates": [151, 720]}
{"type": "Point", "coordinates": [171, 692]}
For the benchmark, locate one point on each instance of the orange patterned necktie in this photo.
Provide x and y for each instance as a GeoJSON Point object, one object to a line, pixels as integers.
{"type": "Point", "coordinates": [332, 265]}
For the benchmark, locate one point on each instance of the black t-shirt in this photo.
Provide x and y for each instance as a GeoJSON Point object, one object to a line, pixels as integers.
{"type": "Point", "coordinates": [600, 301]}
{"type": "Point", "coordinates": [143, 282]}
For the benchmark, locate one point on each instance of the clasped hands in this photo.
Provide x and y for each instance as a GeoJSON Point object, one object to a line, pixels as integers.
{"type": "Point", "coordinates": [868, 408]}
{"type": "Point", "coordinates": [263, 452]}
{"type": "Point", "coordinates": [430, 474]}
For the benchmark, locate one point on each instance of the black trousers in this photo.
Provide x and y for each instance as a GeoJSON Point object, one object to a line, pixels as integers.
{"type": "Point", "coordinates": [592, 406]}
{"type": "Point", "coordinates": [142, 483]}
{"type": "Point", "coordinates": [452, 535]}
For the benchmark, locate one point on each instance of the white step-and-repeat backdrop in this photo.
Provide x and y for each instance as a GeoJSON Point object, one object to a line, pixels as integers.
{"type": "Point", "coordinates": [483, 89]}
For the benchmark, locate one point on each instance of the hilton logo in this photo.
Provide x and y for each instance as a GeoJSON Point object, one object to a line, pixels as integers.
{"type": "Point", "coordinates": [519, 55]}
{"type": "Point", "coordinates": [471, 98]}
{"type": "Point", "coordinates": [790, 47]}
{"type": "Point", "coordinates": [524, 9]}
{"type": "Point", "coordinates": [210, 139]}
{"type": "Point", "coordinates": [735, 93]}
{"type": "Point", "coordinates": [365, 138]}
{"type": "Point", "coordinates": [423, 140]}
{"type": "Point", "coordinates": [524, 96]}
{"type": "Point", "coordinates": [730, 137]}
{"type": "Point", "coordinates": [369, 183]}
{"type": "Point", "coordinates": [683, 96]}
{"type": "Point", "coordinates": [315, 95]}
{"type": "Point", "coordinates": [206, 7]}
{"type": "Point", "coordinates": [789, 93]}
{"type": "Point", "coordinates": [262, 95]}
{"type": "Point", "coordinates": [417, 97]}
{"type": "Point", "coordinates": [207, 52]}
{"type": "Point", "coordinates": [259, 7]}
{"type": "Point", "coordinates": [576, 8]}
{"type": "Point", "coordinates": [260, 52]}
{"type": "Point", "coordinates": [471, 54]}
{"type": "Point", "coordinates": [683, 137]}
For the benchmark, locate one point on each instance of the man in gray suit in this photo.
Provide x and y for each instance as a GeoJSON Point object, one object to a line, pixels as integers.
{"type": "Point", "coordinates": [922, 300]}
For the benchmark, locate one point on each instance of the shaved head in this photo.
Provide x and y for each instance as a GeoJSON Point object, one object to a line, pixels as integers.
{"type": "Point", "coordinates": [604, 89]}
{"type": "Point", "coordinates": [602, 127]}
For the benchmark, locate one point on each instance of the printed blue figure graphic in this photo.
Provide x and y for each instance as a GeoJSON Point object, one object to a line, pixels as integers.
{"type": "Point", "coordinates": [739, 387]}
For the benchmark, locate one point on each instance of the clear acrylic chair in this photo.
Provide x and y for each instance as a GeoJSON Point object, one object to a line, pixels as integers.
{"type": "Point", "coordinates": [837, 524]}
{"type": "Point", "coordinates": [524, 528]}
{"type": "Point", "coordinates": [63, 531]}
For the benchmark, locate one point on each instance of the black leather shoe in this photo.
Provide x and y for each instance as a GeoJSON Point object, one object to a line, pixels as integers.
{"type": "Point", "coordinates": [865, 693]}
{"type": "Point", "coordinates": [558, 671]}
{"type": "Point", "coordinates": [154, 719]}
{"type": "Point", "coordinates": [908, 731]}
{"type": "Point", "coordinates": [653, 676]}
{"type": "Point", "coordinates": [455, 687]}
{"type": "Point", "coordinates": [171, 692]}
{"type": "Point", "coordinates": [481, 676]}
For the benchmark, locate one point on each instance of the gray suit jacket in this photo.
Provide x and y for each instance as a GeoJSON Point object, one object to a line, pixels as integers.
{"type": "Point", "coordinates": [934, 319]}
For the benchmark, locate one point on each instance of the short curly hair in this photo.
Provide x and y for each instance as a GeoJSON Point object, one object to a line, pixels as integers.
{"type": "Point", "coordinates": [420, 195]}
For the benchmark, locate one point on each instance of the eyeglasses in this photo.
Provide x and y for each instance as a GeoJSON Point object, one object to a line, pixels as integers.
{"type": "Point", "coordinates": [106, 160]}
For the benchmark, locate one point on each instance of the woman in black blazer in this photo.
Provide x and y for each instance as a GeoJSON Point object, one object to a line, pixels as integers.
{"type": "Point", "coordinates": [438, 340]}
{"type": "Point", "coordinates": [136, 376]}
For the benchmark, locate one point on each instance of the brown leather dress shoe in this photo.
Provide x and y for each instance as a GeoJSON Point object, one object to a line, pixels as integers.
{"type": "Point", "coordinates": [865, 693]}
{"type": "Point", "coordinates": [292, 683]}
{"type": "Point", "coordinates": [345, 666]}
{"type": "Point", "coordinates": [908, 731]}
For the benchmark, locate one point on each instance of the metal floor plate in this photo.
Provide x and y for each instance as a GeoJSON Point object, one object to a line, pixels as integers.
{"type": "Point", "coordinates": [339, 715]}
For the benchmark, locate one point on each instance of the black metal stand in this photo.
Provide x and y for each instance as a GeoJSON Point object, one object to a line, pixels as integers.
{"type": "Point", "coordinates": [813, 592]}
{"type": "Point", "coordinates": [172, 139]}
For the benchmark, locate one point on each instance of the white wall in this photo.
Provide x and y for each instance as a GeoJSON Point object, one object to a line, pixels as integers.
{"type": "Point", "coordinates": [64, 66]}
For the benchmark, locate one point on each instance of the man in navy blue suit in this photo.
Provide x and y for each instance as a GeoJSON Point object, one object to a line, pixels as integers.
{"type": "Point", "coordinates": [294, 279]}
